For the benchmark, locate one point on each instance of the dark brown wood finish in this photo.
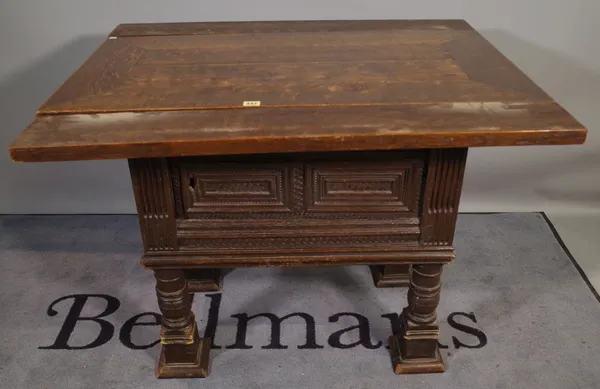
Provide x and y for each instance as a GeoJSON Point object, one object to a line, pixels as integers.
{"type": "Point", "coordinates": [294, 209]}
{"type": "Point", "coordinates": [275, 130]}
{"type": "Point", "coordinates": [311, 69]}
{"type": "Point", "coordinates": [290, 26]}
{"type": "Point", "coordinates": [322, 86]}
{"type": "Point", "coordinates": [386, 207]}
{"type": "Point", "coordinates": [316, 143]}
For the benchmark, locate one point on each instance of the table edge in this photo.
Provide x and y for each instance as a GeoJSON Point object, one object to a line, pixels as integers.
{"type": "Point", "coordinates": [275, 145]}
{"type": "Point", "coordinates": [266, 26]}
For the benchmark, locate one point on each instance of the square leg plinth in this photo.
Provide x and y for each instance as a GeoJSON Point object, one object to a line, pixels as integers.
{"type": "Point", "coordinates": [403, 365]}
{"type": "Point", "coordinates": [197, 367]}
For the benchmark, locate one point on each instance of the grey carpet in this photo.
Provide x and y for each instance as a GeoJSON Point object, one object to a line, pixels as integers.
{"type": "Point", "coordinates": [521, 316]}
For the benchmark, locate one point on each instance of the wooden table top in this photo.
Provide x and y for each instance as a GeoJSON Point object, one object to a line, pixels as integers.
{"type": "Point", "coordinates": [157, 90]}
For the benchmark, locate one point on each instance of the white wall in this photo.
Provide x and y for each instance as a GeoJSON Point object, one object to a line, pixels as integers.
{"type": "Point", "coordinates": [554, 41]}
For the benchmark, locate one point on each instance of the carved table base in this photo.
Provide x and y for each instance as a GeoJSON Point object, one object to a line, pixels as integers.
{"type": "Point", "coordinates": [393, 211]}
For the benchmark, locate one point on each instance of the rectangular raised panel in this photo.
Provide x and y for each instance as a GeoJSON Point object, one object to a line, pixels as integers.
{"type": "Point", "coordinates": [357, 187]}
{"type": "Point", "coordinates": [228, 188]}
{"type": "Point", "coordinates": [235, 188]}
{"type": "Point", "coordinates": [363, 187]}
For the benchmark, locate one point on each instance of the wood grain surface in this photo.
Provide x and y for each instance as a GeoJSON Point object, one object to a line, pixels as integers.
{"type": "Point", "coordinates": [263, 130]}
{"type": "Point", "coordinates": [155, 90]}
{"type": "Point", "coordinates": [294, 26]}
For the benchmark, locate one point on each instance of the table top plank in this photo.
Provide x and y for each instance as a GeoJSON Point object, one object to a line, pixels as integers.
{"type": "Point", "coordinates": [291, 26]}
{"type": "Point", "coordinates": [146, 73]}
{"type": "Point", "coordinates": [279, 130]}
{"type": "Point", "coordinates": [182, 88]}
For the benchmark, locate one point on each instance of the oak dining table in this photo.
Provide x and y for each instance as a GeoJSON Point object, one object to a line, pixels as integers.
{"type": "Point", "coordinates": [295, 143]}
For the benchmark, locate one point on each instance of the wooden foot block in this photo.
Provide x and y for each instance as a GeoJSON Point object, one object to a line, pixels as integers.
{"type": "Point", "coordinates": [196, 369]}
{"type": "Point", "coordinates": [204, 280]}
{"type": "Point", "coordinates": [394, 276]}
{"type": "Point", "coordinates": [414, 365]}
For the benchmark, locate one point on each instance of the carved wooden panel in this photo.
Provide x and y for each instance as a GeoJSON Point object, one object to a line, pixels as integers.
{"type": "Point", "coordinates": [298, 203]}
{"type": "Point", "coordinates": [302, 244]}
{"type": "Point", "coordinates": [153, 190]}
{"type": "Point", "coordinates": [441, 196]}
{"type": "Point", "coordinates": [236, 188]}
{"type": "Point", "coordinates": [363, 187]}
{"type": "Point", "coordinates": [299, 186]}
{"type": "Point", "coordinates": [296, 235]}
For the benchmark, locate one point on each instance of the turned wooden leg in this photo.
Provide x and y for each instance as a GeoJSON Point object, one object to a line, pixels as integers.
{"type": "Point", "coordinates": [204, 280]}
{"type": "Point", "coordinates": [390, 276]}
{"type": "Point", "coordinates": [184, 354]}
{"type": "Point", "coordinates": [415, 349]}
